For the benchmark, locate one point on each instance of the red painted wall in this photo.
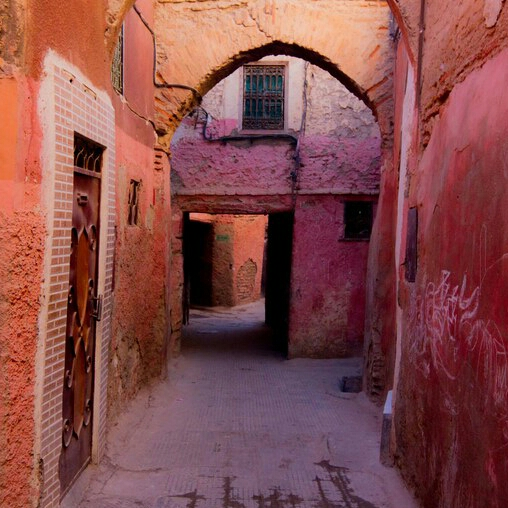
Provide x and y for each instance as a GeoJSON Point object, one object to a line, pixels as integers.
{"type": "Point", "coordinates": [78, 36]}
{"type": "Point", "coordinates": [23, 228]}
{"type": "Point", "coordinates": [451, 410]}
{"type": "Point", "coordinates": [140, 330]}
{"type": "Point", "coordinates": [327, 305]}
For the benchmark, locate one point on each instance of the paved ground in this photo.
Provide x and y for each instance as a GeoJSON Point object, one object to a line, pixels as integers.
{"type": "Point", "coordinates": [238, 426]}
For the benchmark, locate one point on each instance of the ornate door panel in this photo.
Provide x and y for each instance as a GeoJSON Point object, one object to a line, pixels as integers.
{"type": "Point", "coordinates": [83, 309]}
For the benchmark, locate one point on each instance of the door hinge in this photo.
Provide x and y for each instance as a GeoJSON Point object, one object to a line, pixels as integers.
{"type": "Point", "coordinates": [97, 307]}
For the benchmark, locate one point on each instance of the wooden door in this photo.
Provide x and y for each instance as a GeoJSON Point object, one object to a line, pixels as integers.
{"type": "Point", "coordinates": [83, 309]}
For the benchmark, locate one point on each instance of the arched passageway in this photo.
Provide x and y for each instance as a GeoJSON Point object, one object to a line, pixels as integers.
{"type": "Point", "coordinates": [72, 88]}
{"type": "Point", "coordinates": [320, 168]}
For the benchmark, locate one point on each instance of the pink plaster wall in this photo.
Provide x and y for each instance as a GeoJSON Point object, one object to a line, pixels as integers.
{"type": "Point", "coordinates": [451, 412]}
{"type": "Point", "coordinates": [327, 305]}
{"type": "Point", "coordinates": [328, 164]}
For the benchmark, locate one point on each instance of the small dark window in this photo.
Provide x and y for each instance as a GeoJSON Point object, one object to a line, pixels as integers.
{"type": "Point", "coordinates": [263, 97]}
{"type": "Point", "coordinates": [134, 189]}
{"type": "Point", "coordinates": [357, 219]}
{"type": "Point", "coordinates": [117, 65]}
{"type": "Point", "coordinates": [412, 244]}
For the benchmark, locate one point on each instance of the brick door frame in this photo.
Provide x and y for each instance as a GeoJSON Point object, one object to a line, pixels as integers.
{"type": "Point", "coordinates": [67, 104]}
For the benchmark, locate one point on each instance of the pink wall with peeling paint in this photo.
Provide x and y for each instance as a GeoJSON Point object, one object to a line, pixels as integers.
{"type": "Point", "coordinates": [327, 303]}
{"type": "Point", "coordinates": [327, 306]}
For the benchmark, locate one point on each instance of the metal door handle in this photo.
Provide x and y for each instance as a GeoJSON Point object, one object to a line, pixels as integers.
{"type": "Point", "coordinates": [97, 307]}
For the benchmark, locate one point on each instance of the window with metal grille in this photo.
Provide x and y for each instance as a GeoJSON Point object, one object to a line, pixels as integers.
{"type": "Point", "coordinates": [117, 65]}
{"type": "Point", "coordinates": [357, 219]}
{"type": "Point", "coordinates": [134, 189]}
{"type": "Point", "coordinates": [87, 155]}
{"type": "Point", "coordinates": [263, 97]}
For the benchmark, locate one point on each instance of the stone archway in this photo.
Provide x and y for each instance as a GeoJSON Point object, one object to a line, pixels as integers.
{"type": "Point", "coordinates": [351, 42]}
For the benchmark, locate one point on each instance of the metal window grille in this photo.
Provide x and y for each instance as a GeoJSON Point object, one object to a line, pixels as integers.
{"type": "Point", "coordinates": [87, 154]}
{"type": "Point", "coordinates": [134, 203]}
{"type": "Point", "coordinates": [263, 97]}
{"type": "Point", "coordinates": [117, 65]}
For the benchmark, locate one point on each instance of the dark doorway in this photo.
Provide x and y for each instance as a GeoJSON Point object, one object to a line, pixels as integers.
{"type": "Point", "coordinates": [278, 276]}
{"type": "Point", "coordinates": [213, 246]}
{"type": "Point", "coordinates": [198, 249]}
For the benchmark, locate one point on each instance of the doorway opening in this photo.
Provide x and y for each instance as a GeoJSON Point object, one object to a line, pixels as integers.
{"type": "Point", "coordinates": [237, 270]}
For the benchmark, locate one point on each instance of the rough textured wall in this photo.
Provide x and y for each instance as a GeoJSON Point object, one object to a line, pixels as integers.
{"type": "Point", "coordinates": [76, 34]}
{"type": "Point", "coordinates": [140, 325]}
{"type": "Point", "coordinates": [380, 323]}
{"type": "Point", "coordinates": [339, 154]}
{"type": "Point", "coordinates": [237, 167]}
{"type": "Point", "coordinates": [339, 150]}
{"type": "Point", "coordinates": [23, 233]}
{"type": "Point", "coordinates": [248, 257]}
{"type": "Point", "coordinates": [22, 246]}
{"type": "Point", "coordinates": [139, 344]}
{"type": "Point", "coordinates": [223, 260]}
{"type": "Point", "coordinates": [327, 304]}
{"type": "Point", "coordinates": [12, 19]}
{"type": "Point", "coordinates": [459, 37]}
{"type": "Point", "coordinates": [341, 114]}
{"type": "Point", "coordinates": [451, 412]}
{"type": "Point", "coordinates": [26, 35]}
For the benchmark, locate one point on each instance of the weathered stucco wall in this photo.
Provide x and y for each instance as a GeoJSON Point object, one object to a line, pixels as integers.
{"type": "Point", "coordinates": [248, 257]}
{"type": "Point", "coordinates": [451, 322]}
{"type": "Point", "coordinates": [339, 146]}
{"type": "Point", "coordinates": [452, 402]}
{"type": "Point", "coordinates": [349, 39]}
{"type": "Point", "coordinates": [140, 334]}
{"type": "Point", "coordinates": [327, 304]}
{"type": "Point", "coordinates": [459, 38]}
{"type": "Point", "coordinates": [23, 231]}
{"type": "Point", "coordinates": [30, 307]}
{"type": "Point", "coordinates": [384, 262]}
{"type": "Point", "coordinates": [338, 155]}
{"type": "Point", "coordinates": [224, 258]}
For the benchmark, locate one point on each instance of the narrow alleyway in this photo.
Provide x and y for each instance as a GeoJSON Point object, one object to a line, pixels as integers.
{"type": "Point", "coordinates": [237, 425]}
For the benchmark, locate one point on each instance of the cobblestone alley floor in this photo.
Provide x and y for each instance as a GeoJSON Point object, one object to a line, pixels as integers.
{"type": "Point", "coordinates": [238, 426]}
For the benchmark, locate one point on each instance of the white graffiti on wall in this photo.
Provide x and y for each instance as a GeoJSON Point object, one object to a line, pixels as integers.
{"type": "Point", "coordinates": [448, 335]}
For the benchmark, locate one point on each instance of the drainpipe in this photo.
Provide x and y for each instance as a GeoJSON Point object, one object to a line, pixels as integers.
{"type": "Point", "coordinates": [196, 94]}
{"type": "Point", "coordinates": [296, 157]}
